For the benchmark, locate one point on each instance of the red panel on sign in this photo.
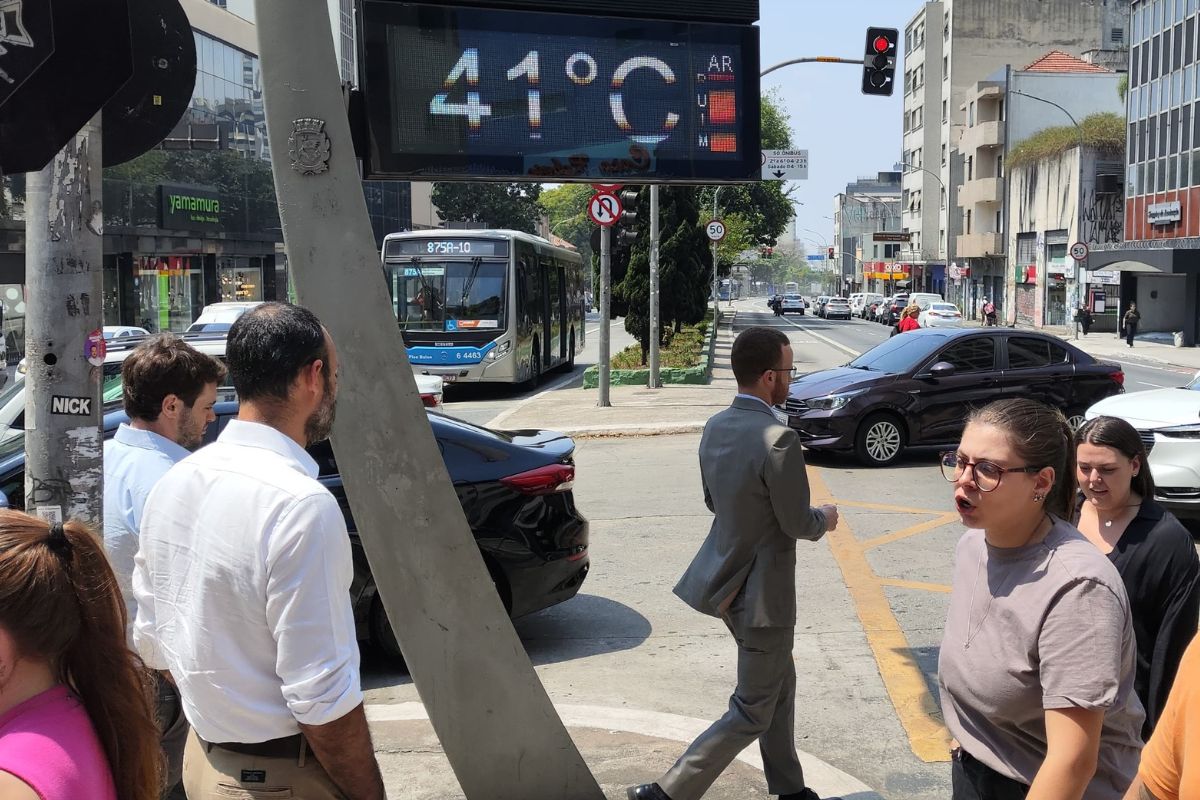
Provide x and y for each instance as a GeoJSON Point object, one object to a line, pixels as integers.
{"type": "Point", "coordinates": [722, 108]}
{"type": "Point", "coordinates": [722, 143]}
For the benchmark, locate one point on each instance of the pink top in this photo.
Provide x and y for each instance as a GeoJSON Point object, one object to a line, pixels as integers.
{"type": "Point", "coordinates": [49, 742]}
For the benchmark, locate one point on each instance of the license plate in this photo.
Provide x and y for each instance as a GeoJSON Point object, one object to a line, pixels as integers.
{"type": "Point", "coordinates": [449, 378]}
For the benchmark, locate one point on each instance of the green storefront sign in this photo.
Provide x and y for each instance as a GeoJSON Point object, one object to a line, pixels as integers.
{"type": "Point", "coordinates": [191, 208]}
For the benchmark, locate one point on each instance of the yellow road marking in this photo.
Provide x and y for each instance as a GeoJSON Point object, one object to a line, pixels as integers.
{"type": "Point", "coordinates": [885, 507]}
{"type": "Point", "coordinates": [918, 585]}
{"type": "Point", "coordinates": [944, 519]}
{"type": "Point", "coordinates": [902, 676]}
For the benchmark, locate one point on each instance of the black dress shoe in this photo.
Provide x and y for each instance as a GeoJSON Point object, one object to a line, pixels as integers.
{"type": "Point", "coordinates": [805, 794]}
{"type": "Point", "coordinates": [647, 791]}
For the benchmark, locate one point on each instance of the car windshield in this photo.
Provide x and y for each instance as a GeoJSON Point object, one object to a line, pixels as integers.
{"type": "Point", "coordinates": [899, 354]}
{"type": "Point", "coordinates": [1194, 385]}
{"type": "Point", "coordinates": [209, 327]}
{"type": "Point", "coordinates": [944, 307]}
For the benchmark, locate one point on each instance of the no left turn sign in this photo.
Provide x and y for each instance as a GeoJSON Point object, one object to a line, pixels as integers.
{"type": "Point", "coordinates": [715, 229]}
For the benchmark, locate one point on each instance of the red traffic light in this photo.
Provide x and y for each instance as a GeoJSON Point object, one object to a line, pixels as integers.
{"type": "Point", "coordinates": [881, 44]}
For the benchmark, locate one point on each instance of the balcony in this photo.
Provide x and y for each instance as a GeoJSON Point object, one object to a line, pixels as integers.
{"type": "Point", "coordinates": [980, 245]}
{"type": "Point", "coordinates": [981, 190]}
{"type": "Point", "coordinates": [983, 135]}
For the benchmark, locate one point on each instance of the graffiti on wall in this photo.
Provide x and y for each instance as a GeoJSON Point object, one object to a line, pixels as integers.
{"type": "Point", "coordinates": [1102, 218]}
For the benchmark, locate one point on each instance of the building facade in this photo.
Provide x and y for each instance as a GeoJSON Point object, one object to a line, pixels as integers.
{"type": "Point", "coordinates": [1159, 261]}
{"type": "Point", "coordinates": [975, 38]}
{"type": "Point", "coordinates": [869, 205]}
{"type": "Point", "coordinates": [1004, 112]}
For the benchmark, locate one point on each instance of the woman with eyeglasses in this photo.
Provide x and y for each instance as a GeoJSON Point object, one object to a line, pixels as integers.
{"type": "Point", "coordinates": [76, 718]}
{"type": "Point", "coordinates": [1150, 548]}
{"type": "Point", "coordinates": [1037, 661]}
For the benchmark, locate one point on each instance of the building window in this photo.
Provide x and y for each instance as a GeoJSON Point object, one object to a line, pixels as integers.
{"type": "Point", "coordinates": [968, 223]}
{"type": "Point", "coordinates": [970, 166]}
{"type": "Point", "coordinates": [945, 68]}
{"type": "Point", "coordinates": [999, 222]}
{"type": "Point", "coordinates": [1000, 166]}
{"type": "Point", "coordinates": [945, 111]}
{"type": "Point", "coordinates": [943, 155]}
{"type": "Point", "coordinates": [943, 198]}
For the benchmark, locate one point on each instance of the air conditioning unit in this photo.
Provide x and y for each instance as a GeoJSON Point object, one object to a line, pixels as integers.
{"type": "Point", "coordinates": [1108, 184]}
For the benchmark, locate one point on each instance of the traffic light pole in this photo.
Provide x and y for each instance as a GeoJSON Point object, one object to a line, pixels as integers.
{"type": "Point", "coordinates": [715, 286]}
{"type": "Point", "coordinates": [605, 310]}
{"type": "Point", "coordinates": [655, 382]}
{"type": "Point", "coordinates": [64, 474]}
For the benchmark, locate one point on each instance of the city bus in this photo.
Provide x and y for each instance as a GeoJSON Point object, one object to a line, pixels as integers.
{"type": "Point", "coordinates": [485, 305]}
{"type": "Point", "coordinates": [791, 287]}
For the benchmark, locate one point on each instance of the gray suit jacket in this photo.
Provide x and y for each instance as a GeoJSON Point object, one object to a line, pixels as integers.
{"type": "Point", "coordinates": [754, 479]}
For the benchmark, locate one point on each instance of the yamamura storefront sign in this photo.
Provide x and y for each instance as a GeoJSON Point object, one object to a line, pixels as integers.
{"type": "Point", "coordinates": [191, 208]}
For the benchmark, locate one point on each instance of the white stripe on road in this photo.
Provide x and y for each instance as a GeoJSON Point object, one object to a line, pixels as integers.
{"type": "Point", "coordinates": [1155, 385]}
{"type": "Point", "coordinates": [826, 339]}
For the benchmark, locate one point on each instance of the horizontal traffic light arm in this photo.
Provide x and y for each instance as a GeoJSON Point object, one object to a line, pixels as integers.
{"type": "Point", "coordinates": [812, 60]}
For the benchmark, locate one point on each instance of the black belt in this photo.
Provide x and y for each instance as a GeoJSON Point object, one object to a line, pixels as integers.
{"type": "Point", "coordinates": [287, 747]}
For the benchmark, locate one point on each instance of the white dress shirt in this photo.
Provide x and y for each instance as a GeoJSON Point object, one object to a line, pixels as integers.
{"type": "Point", "coordinates": [243, 589]}
{"type": "Point", "coordinates": [134, 462]}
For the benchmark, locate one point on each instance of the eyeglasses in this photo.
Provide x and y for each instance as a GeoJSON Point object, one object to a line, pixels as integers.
{"type": "Point", "coordinates": [791, 371]}
{"type": "Point", "coordinates": [987, 474]}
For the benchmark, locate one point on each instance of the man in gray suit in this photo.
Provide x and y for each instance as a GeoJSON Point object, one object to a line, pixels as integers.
{"type": "Point", "coordinates": [752, 467]}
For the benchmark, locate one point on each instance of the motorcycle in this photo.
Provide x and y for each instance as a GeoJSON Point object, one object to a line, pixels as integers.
{"type": "Point", "coordinates": [778, 307]}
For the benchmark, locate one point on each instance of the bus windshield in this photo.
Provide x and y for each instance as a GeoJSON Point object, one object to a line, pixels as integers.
{"type": "Point", "coordinates": [448, 295]}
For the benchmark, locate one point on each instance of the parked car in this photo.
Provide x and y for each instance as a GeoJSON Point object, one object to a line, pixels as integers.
{"type": "Point", "coordinates": [1168, 421]}
{"type": "Point", "coordinates": [865, 301]}
{"type": "Point", "coordinates": [219, 317]}
{"type": "Point", "coordinates": [855, 299]}
{"type": "Point", "coordinates": [916, 389]}
{"type": "Point", "coordinates": [891, 312]}
{"type": "Point", "coordinates": [515, 488]}
{"type": "Point", "coordinates": [123, 332]}
{"type": "Point", "coordinates": [924, 299]}
{"type": "Point", "coordinates": [793, 304]}
{"type": "Point", "coordinates": [837, 307]}
{"type": "Point", "coordinates": [941, 315]}
{"type": "Point", "coordinates": [819, 304]}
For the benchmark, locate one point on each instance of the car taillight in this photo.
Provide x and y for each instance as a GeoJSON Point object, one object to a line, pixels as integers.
{"type": "Point", "coordinates": [1118, 376]}
{"type": "Point", "coordinates": [543, 480]}
{"type": "Point", "coordinates": [431, 400]}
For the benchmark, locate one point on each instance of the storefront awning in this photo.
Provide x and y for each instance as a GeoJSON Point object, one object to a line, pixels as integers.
{"type": "Point", "coordinates": [1126, 265]}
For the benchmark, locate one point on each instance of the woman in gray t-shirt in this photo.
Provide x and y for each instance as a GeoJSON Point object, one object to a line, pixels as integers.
{"type": "Point", "coordinates": [1037, 661]}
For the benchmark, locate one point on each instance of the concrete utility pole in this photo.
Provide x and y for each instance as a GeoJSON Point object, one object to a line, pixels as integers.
{"type": "Point", "coordinates": [500, 733]}
{"type": "Point", "coordinates": [715, 293]}
{"type": "Point", "coordinates": [605, 309]}
{"type": "Point", "coordinates": [64, 473]}
{"type": "Point", "coordinates": [655, 383]}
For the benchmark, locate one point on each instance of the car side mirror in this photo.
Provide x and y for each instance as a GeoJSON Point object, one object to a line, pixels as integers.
{"type": "Point", "coordinates": [942, 369]}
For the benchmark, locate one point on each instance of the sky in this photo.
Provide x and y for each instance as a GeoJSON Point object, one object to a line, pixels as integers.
{"type": "Point", "coordinates": [847, 134]}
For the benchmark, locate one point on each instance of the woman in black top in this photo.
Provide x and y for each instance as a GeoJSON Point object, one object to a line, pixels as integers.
{"type": "Point", "coordinates": [1151, 549]}
{"type": "Point", "coordinates": [1130, 323]}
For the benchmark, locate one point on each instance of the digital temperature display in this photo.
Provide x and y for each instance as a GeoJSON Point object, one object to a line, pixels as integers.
{"type": "Point", "coordinates": [471, 93]}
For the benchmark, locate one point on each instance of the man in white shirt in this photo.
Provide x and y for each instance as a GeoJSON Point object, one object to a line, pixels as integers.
{"type": "Point", "coordinates": [243, 583]}
{"type": "Point", "coordinates": [169, 390]}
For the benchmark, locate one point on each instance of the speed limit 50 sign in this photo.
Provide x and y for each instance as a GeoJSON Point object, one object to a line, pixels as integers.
{"type": "Point", "coordinates": [715, 229]}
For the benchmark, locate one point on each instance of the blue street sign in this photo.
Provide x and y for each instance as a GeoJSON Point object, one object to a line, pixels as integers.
{"type": "Point", "coordinates": [811, 257]}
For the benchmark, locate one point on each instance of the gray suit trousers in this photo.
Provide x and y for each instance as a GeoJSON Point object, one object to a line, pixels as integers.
{"type": "Point", "coordinates": [762, 707]}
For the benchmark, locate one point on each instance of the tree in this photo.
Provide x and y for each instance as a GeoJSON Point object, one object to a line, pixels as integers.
{"type": "Point", "coordinates": [496, 205]}
{"type": "Point", "coordinates": [566, 208]}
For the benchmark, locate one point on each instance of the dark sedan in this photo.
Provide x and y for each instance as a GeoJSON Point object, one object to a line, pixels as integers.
{"type": "Point", "coordinates": [916, 389]}
{"type": "Point", "coordinates": [514, 486]}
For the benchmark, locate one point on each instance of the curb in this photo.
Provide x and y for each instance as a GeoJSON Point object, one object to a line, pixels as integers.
{"type": "Point", "coordinates": [618, 431]}
{"type": "Point", "coordinates": [673, 727]}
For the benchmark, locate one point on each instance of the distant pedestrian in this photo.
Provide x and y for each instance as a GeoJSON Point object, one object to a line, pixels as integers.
{"type": "Point", "coordinates": [76, 715]}
{"type": "Point", "coordinates": [169, 390]}
{"type": "Point", "coordinates": [1036, 667]}
{"type": "Point", "coordinates": [243, 583]}
{"type": "Point", "coordinates": [753, 475]}
{"type": "Point", "coordinates": [989, 312]}
{"type": "Point", "coordinates": [1130, 322]}
{"type": "Point", "coordinates": [908, 319]}
{"type": "Point", "coordinates": [1150, 548]}
{"type": "Point", "coordinates": [1083, 316]}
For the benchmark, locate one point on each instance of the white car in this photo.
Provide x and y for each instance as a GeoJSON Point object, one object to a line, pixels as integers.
{"type": "Point", "coordinates": [219, 317]}
{"type": "Point", "coordinates": [837, 307]}
{"type": "Point", "coordinates": [940, 315]}
{"type": "Point", "coordinates": [1168, 421]}
{"type": "Point", "coordinates": [792, 302]}
{"type": "Point", "coordinates": [123, 332]}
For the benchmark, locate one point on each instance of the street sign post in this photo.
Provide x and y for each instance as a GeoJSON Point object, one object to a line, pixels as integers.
{"type": "Point", "coordinates": [1079, 251]}
{"type": "Point", "coordinates": [785, 165]}
{"type": "Point", "coordinates": [715, 230]}
{"type": "Point", "coordinates": [604, 209]}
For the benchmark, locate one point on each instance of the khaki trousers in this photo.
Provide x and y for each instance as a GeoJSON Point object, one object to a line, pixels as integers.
{"type": "Point", "coordinates": [213, 773]}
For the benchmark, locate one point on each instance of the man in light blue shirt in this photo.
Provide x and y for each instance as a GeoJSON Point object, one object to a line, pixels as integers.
{"type": "Point", "coordinates": [169, 390]}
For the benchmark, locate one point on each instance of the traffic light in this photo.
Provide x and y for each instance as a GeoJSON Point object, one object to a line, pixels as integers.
{"type": "Point", "coordinates": [879, 66]}
{"type": "Point", "coordinates": [625, 225]}
{"type": "Point", "coordinates": [830, 254]}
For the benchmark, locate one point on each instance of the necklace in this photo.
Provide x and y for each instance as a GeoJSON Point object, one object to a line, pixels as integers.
{"type": "Point", "coordinates": [1109, 523]}
{"type": "Point", "coordinates": [987, 610]}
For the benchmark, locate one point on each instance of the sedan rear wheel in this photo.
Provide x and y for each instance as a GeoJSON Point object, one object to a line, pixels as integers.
{"type": "Point", "coordinates": [880, 440]}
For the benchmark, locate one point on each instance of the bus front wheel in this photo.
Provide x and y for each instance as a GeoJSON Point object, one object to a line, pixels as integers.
{"type": "Point", "coordinates": [535, 364]}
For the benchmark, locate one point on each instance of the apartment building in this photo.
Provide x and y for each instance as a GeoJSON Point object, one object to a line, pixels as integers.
{"type": "Point", "coordinates": [869, 205]}
{"type": "Point", "coordinates": [1159, 262]}
{"type": "Point", "coordinates": [955, 44]}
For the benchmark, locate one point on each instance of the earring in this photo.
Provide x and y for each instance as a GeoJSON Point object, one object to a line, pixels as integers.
{"type": "Point", "coordinates": [1037, 498]}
